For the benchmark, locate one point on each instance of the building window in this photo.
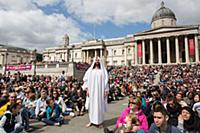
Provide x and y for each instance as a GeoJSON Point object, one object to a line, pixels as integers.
{"type": "Point", "coordinates": [115, 62]}
{"type": "Point", "coordinates": [163, 22]}
{"type": "Point", "coordinates": [172, 22]}
{"type": "Point", "coordinates": [114, 52]}
{"type": "Point", "coordinates": [122, 62]}
{"type": "Point", "coordinates": [122, 51]}
{"type": "Point", "coordinates": [129, 50]}
{"type": "Point", "coordinates": [75, 55]}
{"type": "Point", "coordinates": [107, 62]}
{"type": "Point", "coordinates": [106, 52]}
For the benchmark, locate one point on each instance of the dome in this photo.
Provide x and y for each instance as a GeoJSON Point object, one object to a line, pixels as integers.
{"type": "Point", "coordinates": [163, 12]}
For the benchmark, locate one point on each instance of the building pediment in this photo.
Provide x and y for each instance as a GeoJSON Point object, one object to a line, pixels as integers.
{"type": "Point", "coordinates": [167, 29]}
{"type": "Point", "coordinates": [167, 32]}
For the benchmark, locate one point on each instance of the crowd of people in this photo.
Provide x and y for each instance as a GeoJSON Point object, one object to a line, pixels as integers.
{"type": "Point", "coordinates": [171, 105]}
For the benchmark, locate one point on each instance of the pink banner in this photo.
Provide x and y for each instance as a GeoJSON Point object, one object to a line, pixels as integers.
{"type": "Point", "coordinates": [139, 49]}
{"type": "Point", "coordinates": [80, 66]}
{"type": "Point", "coordinates": [191, 47]}
{"type": "Point", "coordinates": [18, 68]}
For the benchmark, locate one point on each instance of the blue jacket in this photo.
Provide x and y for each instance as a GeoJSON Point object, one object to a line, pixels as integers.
{"type": "Point", "coordinates": [169, 129]}
{"type": "Point", "coordinates": [56, 109]}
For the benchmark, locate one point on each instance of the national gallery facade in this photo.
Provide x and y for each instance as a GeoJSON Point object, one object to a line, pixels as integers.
{"type": "Point", "coordinates": [164, 43]}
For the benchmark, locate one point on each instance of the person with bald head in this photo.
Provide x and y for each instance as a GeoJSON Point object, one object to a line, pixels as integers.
{"type": "Point", "coordinates": [11, 100]}
{"type": "Point", "coordinates": [96, 85]}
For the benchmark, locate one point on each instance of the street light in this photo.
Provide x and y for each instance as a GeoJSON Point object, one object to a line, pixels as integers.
{"type": "Point", "coordinates": [35, 59]}
{"type": "Point", "coordinates": [72, 53]}
{"type": "Point", "coordinates": [6, 57]}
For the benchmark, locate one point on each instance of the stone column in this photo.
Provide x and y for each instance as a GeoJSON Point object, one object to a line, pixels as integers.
{"type": "Point", "coordinates": [95, 54]}
{"type": "Point", "coordinates": [159, 52]}
{"type": "Point", "coordinates": [186, 50]}
{"type": "Point", "coordinates": [87, 57]}
{"type": "Point", "coordinates": [133, 56]}
{"type": "Point", "coordinates": [177, 50]}
{"type": "Point", "coordinates": [125, 59]}
{"type": "Point", "coordinates": [168, 51]}
{"type": "Point", "coordinates": [112, 57]}
{"type": "Point", "coordinates": [196, 49]}
{"type": "Point", "coordinates": [136, 57]}
{"type": "Point", "coordinates": [101, 54]}
{"type": "Point", "coordinates": [151, 52]}
{"type": "Point", "coordinates": [143, 52]}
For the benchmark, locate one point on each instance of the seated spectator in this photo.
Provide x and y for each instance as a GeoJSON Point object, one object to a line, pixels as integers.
{"type": "Point", "coordinates": [131, 124]}
{"type": "Point", "coordinates": [80, 102]}
{"type": "Point", "coordinates": [188, 121]}
{"type": "Point", "coordinates": [196, 108]}
{"type": "Point", "coordinates": [196, 98]}
{"type": "Point", "coordinates": [160, 124]}
{"type": "Point", "coordinates": [53, 113]}
{"type": "Point", "coordinates": [23, 115]}
{"type": "Point", "coordinates": [155, 105]}
{"type": "Point", "coordinates": [173, 108]}
{"type": "Point", "coordinates": [59, 100]}
{"type": "Point", "coordinates": [188, 99]}
{"type": "Point", "coordinates": [40, 110]}
{"type": "Point", "coordinates": [179, 99]}
{"type": "Point", "coordinates": [12, 100]}
{"type": "Point", "coordinates": [9, 123]}
{"type": "Point", "coordinates": [134, 107]}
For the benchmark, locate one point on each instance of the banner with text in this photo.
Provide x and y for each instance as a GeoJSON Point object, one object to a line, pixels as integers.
{"type": "Point", "coordinates": [18, 67]}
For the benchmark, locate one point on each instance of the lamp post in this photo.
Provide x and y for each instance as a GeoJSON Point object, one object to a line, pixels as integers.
{"type": "Point", "coordinates": [72, 53]}
{"type": "Point", "coordinates": [3, 64]}
{"type": "Point", "coordinates": [6, 58]}
{"type": "Point", "coordinates": [35, 59]}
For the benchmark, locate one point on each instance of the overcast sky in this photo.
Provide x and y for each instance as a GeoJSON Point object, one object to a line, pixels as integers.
{"type": "Point", "coordinates": [42, 23]}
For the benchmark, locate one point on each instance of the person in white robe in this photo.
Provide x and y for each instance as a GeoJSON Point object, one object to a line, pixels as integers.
{"type": "Point", "coordinates": [96, 85]}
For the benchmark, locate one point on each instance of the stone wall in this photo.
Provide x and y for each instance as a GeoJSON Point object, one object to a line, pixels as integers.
{"type": "Point", "coordinates": [53, 69]}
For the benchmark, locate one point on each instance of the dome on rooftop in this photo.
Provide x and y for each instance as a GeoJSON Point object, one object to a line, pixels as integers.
{"type": "Point", "coordinates": [163, 17]}
{"type": "Point", "coordinates": [163, 12]}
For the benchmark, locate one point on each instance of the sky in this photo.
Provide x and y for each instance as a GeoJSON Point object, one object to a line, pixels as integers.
{"type": "Point", "coordinates": [39, 24]}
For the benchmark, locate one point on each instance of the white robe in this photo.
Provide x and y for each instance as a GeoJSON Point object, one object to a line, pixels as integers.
{"type": "Point", "coordinates": [96, 81]}
{"type": "Point", "coordinates": [97, 101]}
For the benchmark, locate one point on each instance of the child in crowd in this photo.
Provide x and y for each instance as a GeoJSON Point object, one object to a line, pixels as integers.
{"type": "Point", "coordinates": [53, 113]}
{"type": "Point", "coordinates": [131, 124]}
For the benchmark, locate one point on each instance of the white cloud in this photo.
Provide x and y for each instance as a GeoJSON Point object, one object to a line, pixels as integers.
{"type": "Point", "coordinates": [186, 11]}
{"type": "Point", "coordinates": [34, 29]}
{"type": "Point", "coordinates": [122, 12]}
{"type": "Point", "coordinates": [17, 5]}
{"type": "Point", "coordinates": [46, 2]}
{"type": "Point", "coordinates": [24, 25]}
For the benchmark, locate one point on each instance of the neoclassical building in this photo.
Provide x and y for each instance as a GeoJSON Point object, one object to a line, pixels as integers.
{"type": "Point", "coordinates": [164, 43]}
{"type": "Point", "coordinates": [15, 55]}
